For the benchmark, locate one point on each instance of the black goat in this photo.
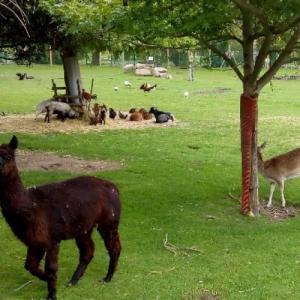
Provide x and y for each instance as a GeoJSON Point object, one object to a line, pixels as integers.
{"type": "Point", "coordinates": [161, 116]}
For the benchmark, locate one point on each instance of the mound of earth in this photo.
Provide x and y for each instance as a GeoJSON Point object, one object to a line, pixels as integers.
{"type": "Point", "coordinates": [278, 213]}
{"type": "Point", "coordinates": [37, 160]}
{"type": "Point", "coordinates": [26, 123]}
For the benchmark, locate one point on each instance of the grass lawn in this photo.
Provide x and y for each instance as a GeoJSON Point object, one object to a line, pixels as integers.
{"type": "Point", "coordinates": [175, 181]}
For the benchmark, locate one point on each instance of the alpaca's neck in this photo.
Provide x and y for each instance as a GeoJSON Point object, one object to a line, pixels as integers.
{"type": "Point", "coordinates": [13, 195]}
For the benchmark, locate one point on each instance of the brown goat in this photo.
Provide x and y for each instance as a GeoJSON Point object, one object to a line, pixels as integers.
{"type": "Point", "coordinates": [146, 115]}
{"type": "Point", "coordinates": [41, 217]}
{"type": "Point", "coordinates": [140, 115]}
{"type": "Point", "coordinates": [136, 116]}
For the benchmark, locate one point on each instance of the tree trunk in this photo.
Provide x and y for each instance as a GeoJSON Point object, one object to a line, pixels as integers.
{"type": "Point", "coordinates": [72, 75]}
{"type": "Point", "coordinates": [191, 69]}
{"type": "Point", "coordinates": [254, 195]}
{"type": "Point", "coordinates": [96, 58]}
{"type": "Point", "coordinates": [248, 120]}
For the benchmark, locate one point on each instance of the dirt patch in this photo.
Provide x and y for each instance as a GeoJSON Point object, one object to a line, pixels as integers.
{"type": "Point", "coordinates": [25, 123]}
{"type": "Point", "coordinates": [36, 160]}
{"type": "Point", "coordinates": [278, 213]}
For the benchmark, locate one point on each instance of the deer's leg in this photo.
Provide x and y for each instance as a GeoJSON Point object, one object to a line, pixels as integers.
{"type": "Point", "coordinates": [281, 186]}
{"type": "Point", "coordinates": [272, 188]}
{"type": "Point", "coordinates": [86, 248]}
{"type": "Point", "coordinates": [51, 266]}
{"type": "Point", "coordinates": [33, 259]}
{"type": "Point", "coordinates": [113, 246]}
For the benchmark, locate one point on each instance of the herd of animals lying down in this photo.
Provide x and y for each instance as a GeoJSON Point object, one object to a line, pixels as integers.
{"type": "Point", "coordinates": [99, 113]}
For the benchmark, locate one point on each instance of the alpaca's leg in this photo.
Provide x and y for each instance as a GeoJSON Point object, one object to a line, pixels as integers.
{"type": "Point", "coordinates": [272, 188]}
{"type": "Point", "coordinates": [51, 266]}
{"type": "Point", "coordinates": [34, 257]}
{"type": "Point", "coordinates": [86, 248]}
{"type": "Point", "coordinates": [113, 246]}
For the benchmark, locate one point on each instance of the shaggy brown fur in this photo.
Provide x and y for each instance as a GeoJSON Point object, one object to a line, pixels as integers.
{"type": "Point", "coordinates": [41, 217]}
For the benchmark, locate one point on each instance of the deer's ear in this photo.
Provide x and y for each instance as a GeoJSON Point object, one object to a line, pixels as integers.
{"type": "Point", "coordinates": [13, 144]}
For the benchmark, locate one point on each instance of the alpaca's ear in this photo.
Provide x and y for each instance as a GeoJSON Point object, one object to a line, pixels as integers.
{"type": "Point", "coordinates": [13, 144]}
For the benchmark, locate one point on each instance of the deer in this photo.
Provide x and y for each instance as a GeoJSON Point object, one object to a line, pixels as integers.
{"type": "Point", "coordinates": [278, 169]}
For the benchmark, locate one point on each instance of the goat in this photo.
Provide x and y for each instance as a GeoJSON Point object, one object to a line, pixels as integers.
{"type": "Point", "coordinates": [54, 107]}
{"type": "Point", "coordinates": [136, 116]}
{"type": "Point", "coordinates": [146, 115]}
{"type": "Point", "coordinates": [23, 76]}
{"type": "Point", "coordinates": [147, 87]}
{"type": "Point", "coordinates": [161, 116]}
{"type": "Point", "coordinates": [112, 113]}
{"type": "Point", "coordinates": [278, 169]}
{"type": "Point", "coordinates": [43, 216]}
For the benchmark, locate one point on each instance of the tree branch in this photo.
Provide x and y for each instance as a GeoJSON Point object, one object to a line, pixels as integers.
{"type": "Point", "coordinates": [260, 59]}
{"type": "Point", "coordinates": [22, 22]}
{"type": "Point", "coordinates": [280, 60]}
{"type": "Point", "coordinates": [247, 8]}
{"type": "Point", "coordinates": [232, 64]}
{"type": "Point", "coordinates": [285, 27]}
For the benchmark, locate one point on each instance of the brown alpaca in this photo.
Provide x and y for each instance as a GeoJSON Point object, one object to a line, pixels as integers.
{"type": "Point", "coordinates": [43, 216]}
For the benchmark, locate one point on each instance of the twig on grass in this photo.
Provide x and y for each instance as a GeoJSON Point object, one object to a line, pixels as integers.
{"type": "Point", "coordinates": [161, 272]}
{"type": "Point", "coordinates": [22, 286]}
{"type": "Point", "coordinates": [234, 197]}
{"type": "Point", "coordinates": [185, 251]}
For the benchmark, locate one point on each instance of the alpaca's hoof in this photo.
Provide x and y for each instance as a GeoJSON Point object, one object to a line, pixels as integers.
{"type": "Point", "coordinates": [106, 279]}
{"type": "Point", "coordinates": [71, 283]}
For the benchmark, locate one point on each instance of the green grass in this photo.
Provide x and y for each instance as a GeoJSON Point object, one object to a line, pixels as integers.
{"type": "Point", "coordinates": [168, 187]}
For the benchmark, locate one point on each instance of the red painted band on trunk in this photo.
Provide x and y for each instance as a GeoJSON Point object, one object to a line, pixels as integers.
{"type": "Point", "coordinates": [248, 108]}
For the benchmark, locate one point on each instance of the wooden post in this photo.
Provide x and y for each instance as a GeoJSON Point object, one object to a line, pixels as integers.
{"type": "Point", "coordinates": [191, 69]}
{"type": "Point", "coordinates": [50, 56]}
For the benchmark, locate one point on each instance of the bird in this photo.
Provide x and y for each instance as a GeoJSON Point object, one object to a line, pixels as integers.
{"type": "Point", "coordinates": [112, 113]}
{"type": "Point", "coordinates": [122, 116]}
{"type": "Point", "coordinates": [186, 94]}
{"type": "Point", "coordinates": [127, 83]}
{"type": "Point", "coordinates": [146, 87]}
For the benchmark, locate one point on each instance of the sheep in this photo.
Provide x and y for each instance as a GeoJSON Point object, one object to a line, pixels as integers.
{"type": "Point", "coordinates": [160, 116]}
{"type": "Point", "coordinates": [147, 87]}
{"type": "Point", "coordinates": [42, 216]}
{"type": "Point", "coordinates": [278, 169]}
{"type": "Point", "coordinates": [54, 107]}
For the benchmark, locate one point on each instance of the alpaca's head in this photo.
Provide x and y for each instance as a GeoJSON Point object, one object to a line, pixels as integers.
{"type": "Point", "coordinates": [7, 155]}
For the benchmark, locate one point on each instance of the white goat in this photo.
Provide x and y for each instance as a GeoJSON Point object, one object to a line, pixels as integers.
{"type": "Point", "coordinates": [278, 169]}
